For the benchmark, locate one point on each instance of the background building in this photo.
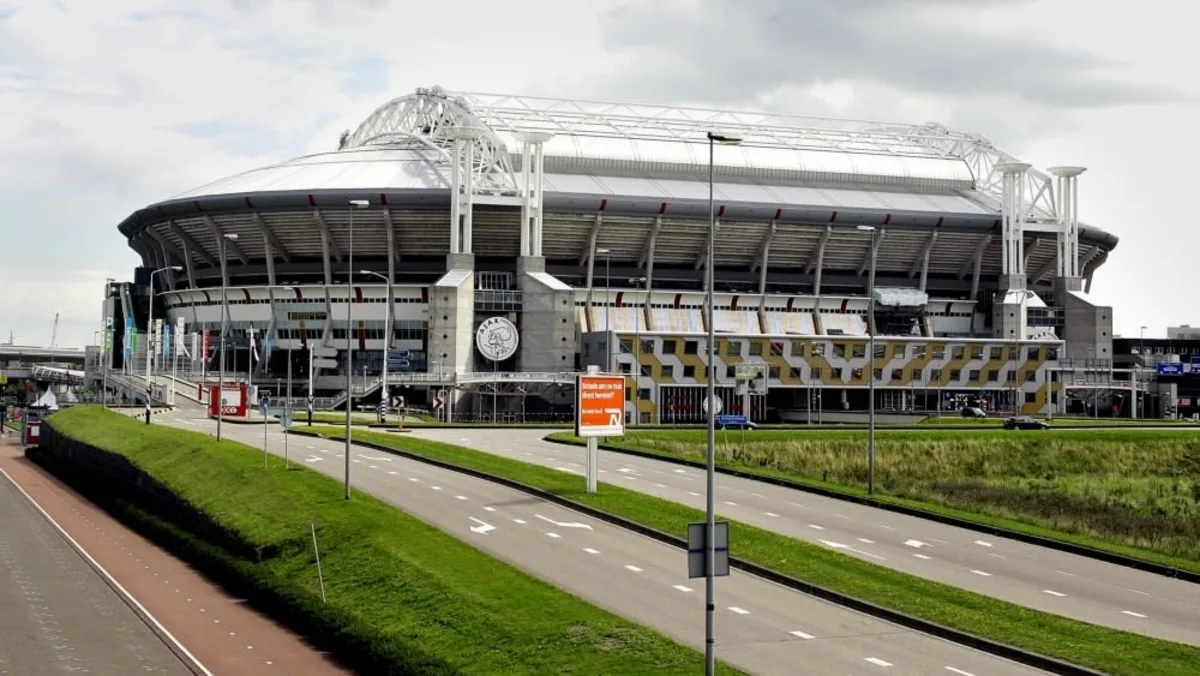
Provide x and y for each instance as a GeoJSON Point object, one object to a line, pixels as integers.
{"type": "Point", "coordinates": [584, 225]}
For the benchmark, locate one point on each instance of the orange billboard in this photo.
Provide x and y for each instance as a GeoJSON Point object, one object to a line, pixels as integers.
{"type": "Point", "coordinates": [599, 406]}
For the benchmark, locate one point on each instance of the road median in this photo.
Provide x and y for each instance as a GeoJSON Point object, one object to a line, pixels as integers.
{"type": "Point", "coordinates": [1048, 641]}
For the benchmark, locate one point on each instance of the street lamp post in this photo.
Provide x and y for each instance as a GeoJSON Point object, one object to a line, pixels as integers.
{"type": "Point", "coordinates": [224, 325]}
{"type": "Point", "coordinates": [871, 359]}
{"type": "Point", "coordinates": [107, 346]}
{"type": "Point", "coordinates": [710, 654]}
{"type": "Point", "coordinates": [150, 336]}
{"type": "Point", "coordinates": [387, 336]}
{"type": "Point", "coordinates": [354, 204]}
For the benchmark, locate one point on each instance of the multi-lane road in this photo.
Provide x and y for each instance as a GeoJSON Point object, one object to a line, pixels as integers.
{"type": "Point", "coordinates": [762, 627]}
{"type": "Point", "coordinates": [56, 614]}
{"type": "Point", "coordinates": [1036, 577]}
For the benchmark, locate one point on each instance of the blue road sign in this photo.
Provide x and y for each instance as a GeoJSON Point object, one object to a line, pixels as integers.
{"type": "Point", "coordinates": [731, 420]}
{"type": "Point", "coordinates": [398, 364]}
{"type": "Point", "coordinates": [1170, 368]}
{"type": "Point", "coordinates": [398, 354]}
{"type": "Point", "coordinates": [1195, 364]}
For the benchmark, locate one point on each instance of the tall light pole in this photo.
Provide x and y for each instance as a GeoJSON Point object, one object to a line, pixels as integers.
{"type": "Point", "coordinates": [224, 325]}
{"type": "Point", "coordinates": [105, 349]}
{"type": "Point", "coordinates": [710, 654]}
{"type": "Point", "coordinates": [871, 359]}
{"type": "Point", "coordinates": [150, 335]}
{"type": "Point", "coordinates": [608, 329]}
{"type": "Point", "coordinates": [387, 336]}
{"type": "Point", "coordinates": [354, 204]}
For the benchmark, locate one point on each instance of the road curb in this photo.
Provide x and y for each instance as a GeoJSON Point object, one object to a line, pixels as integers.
{"type": "Point", "coordinates": [963, 638]}
{"type": "Point", "coordinates": [1027, 538]}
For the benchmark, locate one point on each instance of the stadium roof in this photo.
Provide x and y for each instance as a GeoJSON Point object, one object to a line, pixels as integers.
{"type": "Point", "coordinates": [406, 143]}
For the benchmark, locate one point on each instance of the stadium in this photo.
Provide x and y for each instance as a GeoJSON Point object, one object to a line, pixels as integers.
{"type": "Point", "coordinates": [583, 226]}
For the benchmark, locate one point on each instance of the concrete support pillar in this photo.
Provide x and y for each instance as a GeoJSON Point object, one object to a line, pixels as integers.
{"type": "Point", "coordinates": [1066, 197]}
{"type": "Point", "coordinates": [1012, 214]}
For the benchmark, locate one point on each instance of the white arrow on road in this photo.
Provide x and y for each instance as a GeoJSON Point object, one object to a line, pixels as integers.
{"type": "Point", "coordinates": [483, 528]}
{"type": "Point", "coordinates": [916, 543]}
{"type": "Point", "coordinates": [838, 545]}
{"type": "Point", "coordinates": [373, 458]}
{"type": "Point", "coordinates": [313, 458]}
{"type": "Point", "coordinates": [560, 524]}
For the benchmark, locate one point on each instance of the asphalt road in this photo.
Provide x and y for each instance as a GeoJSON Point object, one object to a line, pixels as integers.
{"type": "Point", "coordinates": [762, 627]}
{"type": "Point", "coordinates": [1032, 576]}
{"type": "Point", "coordinates": [57, 615]}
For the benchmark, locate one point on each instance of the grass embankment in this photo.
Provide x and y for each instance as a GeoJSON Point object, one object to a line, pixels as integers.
{"type": "Point", "coordinates": [421, 599]}
{"type": "Point", "coordinates": [1133, 492]}
{"type": "Point", "coordinates": [1110, 650]}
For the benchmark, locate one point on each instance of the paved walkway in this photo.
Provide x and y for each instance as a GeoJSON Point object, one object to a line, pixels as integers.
{"type": "Point", "coordinates": [223, 633]}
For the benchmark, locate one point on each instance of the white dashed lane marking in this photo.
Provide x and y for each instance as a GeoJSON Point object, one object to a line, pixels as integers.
{"type": "Point", "coordinates": [960, 672]}
{"type": "Point", "coordinates": [683, 588]}
{"type": "Point", "coordinates": [739, 611]}
{"type": "Point", "coordinates": [591, 551]}
{"type": "Point", "coordinates": [634, 569]}
{"type": "Point", "coordinates": [878, 662]}
{"type": "Point", "coordinates": [800, 634]}
{"type": "Point", "coordinates": [1052, 592]}
{"type": "Point", "coordinates": [980, 572]}
{"type": "Point", "coordinates": [1133, 614]}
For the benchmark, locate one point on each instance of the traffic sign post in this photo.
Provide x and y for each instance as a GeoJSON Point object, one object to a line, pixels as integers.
{"type": "Point", "coordinates": [599, 412]}
{"type": "Point", "coordinates": [698, 549]}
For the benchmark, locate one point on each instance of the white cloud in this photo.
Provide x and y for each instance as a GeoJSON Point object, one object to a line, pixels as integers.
{"type": "Point", "coordinates": [110, 106]}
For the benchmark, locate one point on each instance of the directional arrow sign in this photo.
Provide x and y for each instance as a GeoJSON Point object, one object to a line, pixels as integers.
{"type": "Point", "coordinates": [916, 543]}
{"type": "Point", "coordinates": [560, 524]}
{"type": "Point", "coordinates": [838, 545]}
{"type": "Point", "coordinates": [312, 458]}
{"type": "Point", "coordinates": [372, 458]}
{"type": "Point", "coordinates": [483, 528]}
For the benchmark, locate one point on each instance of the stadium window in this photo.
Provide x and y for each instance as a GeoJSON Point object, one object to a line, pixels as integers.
{"type": "Point", "coordinates": [856, 374]}
{"type": "Point", "coordinates": [1031, 397]}
{"type": "Point", "coordinates": [839, 351]}
{"type": "Point", "coordinates": [626, 368]}
{"type": "Point", "coordinates": [1031, 376]}
{"type": "Point", "coordinates": [731, 372]}
{"type": "Point", "coordinates": [814, 373]}
{"type": "Point", "coordinates": [976, 352]}
{"type": "Point", "coordinates": [1052, 354]}
{"type": "Point", "coordinates": [818, 350]}
{"type": "Point", "coordinates": [996, 353]}
{"type": "Point", "coordinates": [939, 352]}
{"type": "Point", "coordinates": [776, 349]}
{"type": "Point", "coordinates": [691, 347]}
{"type": "Point", "coordinates": [626, 346]}
{"type": "Point", "coordinates": [973, 375]}
{"type": "Point", "coordinates": [955, 375]}
{"type": "Point", "coordinates": [877, 374]}
{"type": "Point", "coordinates": [898, 351]}
{"type": "Point", "coordinates": [647, 346]}
{"type": "Point", "coordinates": [957, 352]}
{"type": "Point", "coordinates": [919, 351]}
{"type": "Point", "coordinates": [647, 370]}
{"type": "Point", "coordinates": [689, 371]}
{"type": "Point", "coordinates": [880, 351]}
{"type": "Point", "coordinates": [836, 373]}
{"type": "Point", "coordinates": [755, 348]}
{"type": "Point", "coordinates": [773, 372]}
{"type": "Point", "coordinates": [1010, 377]}
{"type": "Point", "coordinates": [858, 350]}
{"type": "Point", "coordinates": [993, 375]}
{"type": "Point", "coordinates": [668, 371]}
{"type": "Point", "coordinates": [918, 375]}
{"type": "Point", "coordinates": [1033, 353]}
{"type": "Point", "coordinates": [797, 348]}
{"type": "Point", "coordinates": [733, 348]}
{"type": "Point", "coordinates": [670, 347]}
{"type": "Point", "coordinates": [644, 393]}
{"type": "Point", "coordinates": [795, 373]}
{"type": "Point", "coordinates": [935, 374]}
{"type": "Point", "coordinates": [897, 374]}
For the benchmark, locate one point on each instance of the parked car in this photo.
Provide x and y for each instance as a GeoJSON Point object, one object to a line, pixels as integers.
{"type": "Point", "coordinates": [1024, 422]}
{"type": "Point", "coordinates": [973, 412]}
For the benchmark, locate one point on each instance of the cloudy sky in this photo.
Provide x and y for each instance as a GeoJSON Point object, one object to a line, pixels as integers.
{"type": "Point", "coordinates": [108, 106]}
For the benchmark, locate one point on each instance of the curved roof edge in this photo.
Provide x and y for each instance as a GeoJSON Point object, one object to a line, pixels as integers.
{"type": "Point", "coordinates": [582, 203]}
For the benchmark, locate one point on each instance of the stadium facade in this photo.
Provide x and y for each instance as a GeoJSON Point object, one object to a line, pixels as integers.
{"type": "Point", "coordinates": [585, 226]}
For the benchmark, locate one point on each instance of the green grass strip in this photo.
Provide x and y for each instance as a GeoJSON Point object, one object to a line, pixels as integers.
{"type": "Point", "coordinates": [411, 590]}
{"type": "Point", "coordinates": [1077, 642]}
{"type": "Point", "coordinates": [674, 445]}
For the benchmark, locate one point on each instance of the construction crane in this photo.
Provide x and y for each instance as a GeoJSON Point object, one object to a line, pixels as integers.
{"type": "Point", "coordinates": [54, 333]}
